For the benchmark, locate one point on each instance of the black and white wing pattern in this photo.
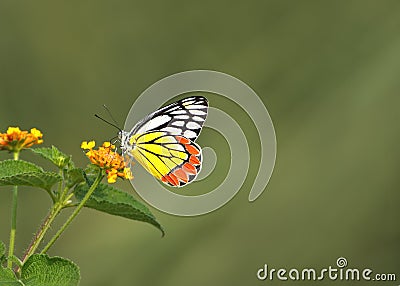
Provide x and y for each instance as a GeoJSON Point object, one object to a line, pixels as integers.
{"type": "Point", "coordinates": [184, 117]}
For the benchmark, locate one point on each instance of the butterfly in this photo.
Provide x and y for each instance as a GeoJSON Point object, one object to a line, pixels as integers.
{"type": "Point", "coordinates": [163, 142]}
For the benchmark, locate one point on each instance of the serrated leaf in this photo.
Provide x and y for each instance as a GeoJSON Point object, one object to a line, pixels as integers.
{"type": "Point", "coordinates": [22, 173]}
{"type": "Point", "coordinates": [115, 202]}
{"type": "Point", "coordinates": [41, 270]}
{"type": "Point", "coordinates": [14, 167]}
{"type": "Point", "coordinates": [44, 180]}
{"type": "Point", "coordinates": [7, 278]}
{"type": "Point", "coordinates": [54, 155]}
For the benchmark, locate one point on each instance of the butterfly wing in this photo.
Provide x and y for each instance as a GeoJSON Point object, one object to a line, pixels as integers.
{"type": "Point", "coordinates": [184, 117]}
{"type": "Point", "coordinates": [163, 142]}
{"type": "Point", "coordinates": [173, 159]}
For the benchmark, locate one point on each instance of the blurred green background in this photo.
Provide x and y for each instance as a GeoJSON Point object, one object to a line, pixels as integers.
{"type": "Point", "coordinates": [328, 72]}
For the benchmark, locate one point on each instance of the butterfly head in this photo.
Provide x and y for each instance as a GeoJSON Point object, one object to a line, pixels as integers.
{"type": "Point", "coordinates": [123, 136]}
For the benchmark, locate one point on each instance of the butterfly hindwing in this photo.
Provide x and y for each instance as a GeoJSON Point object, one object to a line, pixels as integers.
{"type": "Point", "coordinates": [187, 171]}
{"type": "Point", "coordinates": [173, 159]}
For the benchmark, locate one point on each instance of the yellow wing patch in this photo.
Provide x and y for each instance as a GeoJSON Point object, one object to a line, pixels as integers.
{"type": "Point", "coordinates": [147, 137]}
{"type": "Point", "coordinates": [158, 152]}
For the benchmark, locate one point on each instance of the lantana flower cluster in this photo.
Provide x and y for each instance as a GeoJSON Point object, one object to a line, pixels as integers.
{"type": "Point", "coordinates": [108, 159]}
{"type": "Point", "coordinates": [15, 140]}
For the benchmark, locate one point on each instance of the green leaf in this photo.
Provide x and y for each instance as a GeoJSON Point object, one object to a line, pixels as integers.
{"type": "Point", "coordinates": [41, 270]}
{"type": "Point", "coordinates": [13, 167]}
{"type": "Point", "coordinates": [74, 176]}
{"type": "Point", "coordinates": [43, 180]}
{"type": "Point", "coordinates": [7, 278]}
{"type": "Point", "coordinates": [54, 155]}
{"type": "Point", "coordinates": [115, 202]}
{"type": "Point", "coordinates": [22, 173]}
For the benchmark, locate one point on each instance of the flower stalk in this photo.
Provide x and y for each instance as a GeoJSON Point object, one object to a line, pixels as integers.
{"type": "Point", "coordinates": [76, 211]}
{"type": "Point", "coordinates": [14, 140]}
{"type": "Point", "coordinates": [13, 226]}
{"type": "Point", "coordinates": [13, 220]}
{"type": "Point", "coordinates": [45, 226]}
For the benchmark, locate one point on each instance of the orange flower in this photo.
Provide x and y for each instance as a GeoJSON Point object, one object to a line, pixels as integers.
{"type": "Point", "coordinates": [108, 159]}
{"type": "Point", "coordinates": [14, 139]}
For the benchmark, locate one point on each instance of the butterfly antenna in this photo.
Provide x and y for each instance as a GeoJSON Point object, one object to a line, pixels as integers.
{"type": "Point", "coordinates": [108, 122]}
{"type": "Point", "coordinates": [110, 114]}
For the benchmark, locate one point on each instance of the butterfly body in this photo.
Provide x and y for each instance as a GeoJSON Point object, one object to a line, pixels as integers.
{"type": "Point", "coordinates": [164, 141]}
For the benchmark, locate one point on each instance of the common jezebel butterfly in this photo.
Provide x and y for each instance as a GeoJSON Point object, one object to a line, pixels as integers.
{"type": "Point", "coordinates": [163, 142]}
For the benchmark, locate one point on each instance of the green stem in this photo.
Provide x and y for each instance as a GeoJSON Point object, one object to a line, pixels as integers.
{"type": "Point", "coordinates": [45, 226]}
{"type": "Point", "coordinates": [13, 220]}
{"type": "Point", "coordinates": [53, 198]}
{"type": "Point", "coordinates": [13, 226]}
{"type": "Point", "coordinates": [60, 184]}
{"type": "Point", "coordinates": [75, 212]}
{"type": "Point", "coordinates": [59, 204]}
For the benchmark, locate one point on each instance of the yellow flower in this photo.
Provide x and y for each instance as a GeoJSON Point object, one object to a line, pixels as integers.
{"type": "Point", "coordinates": [128, 173]}
{"type": "Point", "coordinates": [86, 145]}
{"type": "Point", "coordinates": [14, 139]}
{"type": "Point", "coordinates": [108, 159]}
{"type": "Point", "coordinates": [38, 134]}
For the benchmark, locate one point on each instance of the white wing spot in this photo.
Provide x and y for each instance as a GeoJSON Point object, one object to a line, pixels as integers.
{"type": "Point", "coordinates": [154, 123]}
{"type": "Point", "coordinates": [197, 118]}
{"type": "Point", "coordinates": [202, 106]}
{"type": "Point", "coordinates": [197, 106]}
{"type": "Point", "coordinates": [188, 103]}
{"type": "Point", "coordinates": [178, 123]}
{"type": "Point", "coordinates": [189, 134]}
{"type": "Point", "coordinates": [172, 130]}
{"type": "Point", "coordinates": [178, 112]}
{"type": "Point", "coordinates": [193, 125]}
{"type": "Point", "coordinates": [197, 112]}
{"type": "Point", "coordinates": [181, 117]}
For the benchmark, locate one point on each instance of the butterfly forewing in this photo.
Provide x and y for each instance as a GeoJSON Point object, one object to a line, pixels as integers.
{"type": "Point", "coordinates": [184, 117]}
